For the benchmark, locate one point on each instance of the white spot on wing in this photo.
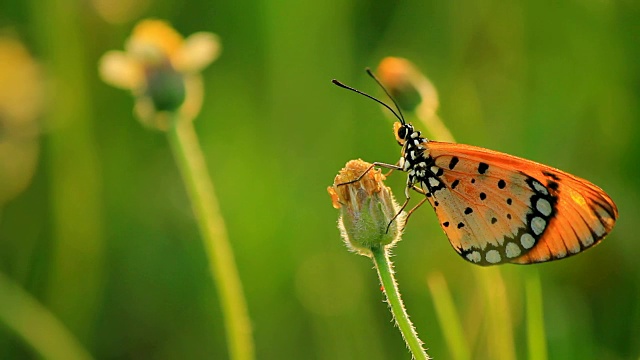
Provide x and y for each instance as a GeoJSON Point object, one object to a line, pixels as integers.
{"type": "Point", "coordinates": [433, 182]}
{"type": "Point", "coordinates": [512, 250]}
{"type": "Point", "coordinates": [539, 188]}
{"type": "Point", "coordinates": [493, 256]}
{"type": "Point", "coordinates": [474, 256]}
{"type": "Point", "coordinates": [544, 207]}
{"type": "Point", "coordinates": [538, 225]}
{"type": "Point", "coordinates": [527, 241]}
{"type": "Point", "coordinates": [434, 169]}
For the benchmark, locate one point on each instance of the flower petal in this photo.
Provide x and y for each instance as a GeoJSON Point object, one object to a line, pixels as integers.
{"type": "Point", "coordinates": [153, 41]}
{"type": "Point", "coordinates": [197, 52]}
{"type": "Point", "coordinates": [118, 69]}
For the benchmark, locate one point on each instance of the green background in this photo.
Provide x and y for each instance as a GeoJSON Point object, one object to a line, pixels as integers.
{"type": "Point", "coordinates": [105, 238]}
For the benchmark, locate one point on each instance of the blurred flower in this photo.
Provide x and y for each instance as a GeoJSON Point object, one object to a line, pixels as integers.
{"type": "Point", "coordinates": [367, 208]}
{"type": "Point", "coordinates": [410, 88]}
{"type": "Point", "coordinates": [162, 70]}
{"type": "Point", "coordinates": [21, 100]}
{"type": "Point", "coordinates": [414, 92]}
{"type": "Point", "coordinates": [120, 11]}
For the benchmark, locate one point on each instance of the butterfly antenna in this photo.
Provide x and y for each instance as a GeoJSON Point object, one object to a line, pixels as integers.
{"type": "Point", "coordinates": [336, 82]}
{"type": "Point", "coordinates": [401, 117]}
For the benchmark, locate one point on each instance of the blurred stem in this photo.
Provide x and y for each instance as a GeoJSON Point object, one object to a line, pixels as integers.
{"type": "Point", "coordinates": [500, 338]}
{"type": "Point", "coordinates": [36, 325]}
{"type": "Point", "coordinates": [434, 124]}
{"type": "Point", "coordinates": [190, 159]}
{"type": "Point", "coordinates": [385, 272]}
{"type": "Point", "coordinates": [536, 336]}
{"type": "Point", "coordinates": [448, 317]}
{"type": "Point", "coordinates": [76, 278]}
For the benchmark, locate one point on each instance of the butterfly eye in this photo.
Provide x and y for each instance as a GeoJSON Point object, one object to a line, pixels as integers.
{"type": "Point", "coordinates": [402, 132]}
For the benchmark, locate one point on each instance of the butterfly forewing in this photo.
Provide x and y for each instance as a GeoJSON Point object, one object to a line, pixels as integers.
{"type": "Point", "coordinates": [498, 208]}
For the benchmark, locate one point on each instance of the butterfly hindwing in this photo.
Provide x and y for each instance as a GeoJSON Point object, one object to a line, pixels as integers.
{"type": "Point", "coordinates": [498, 208]}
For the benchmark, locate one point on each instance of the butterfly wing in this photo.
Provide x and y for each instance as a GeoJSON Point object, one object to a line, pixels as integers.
{"type": "Point", "coordinates": [497, 208]}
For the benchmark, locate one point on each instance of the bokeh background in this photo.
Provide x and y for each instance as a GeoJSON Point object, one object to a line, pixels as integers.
{"type": "Point", "coordinates": [95, 223]}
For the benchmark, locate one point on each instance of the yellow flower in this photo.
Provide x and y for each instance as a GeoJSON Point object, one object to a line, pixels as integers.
{"type": "Point", "coordinates": [21, 99]}
{"type": "Point", "coordinates": [367, 208]}
{"type": "Point", "coordinates": [162, 70]}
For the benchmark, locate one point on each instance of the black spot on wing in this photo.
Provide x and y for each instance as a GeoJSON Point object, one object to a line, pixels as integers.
{"type": "Point", "coordinates": [483, 196]}
{"type": "Point", "coordinates": [453, 162]}
{"type": "Point", "coordinates": [455, 183]}
{"type": "Point", "coordinates": [482, 168]}
{"type": "Point", "coordinates": [501, 184]}
{"type": "Point", "coordinates": [552, 185]}
{"type": "Point", "coordinates": [468, 211]}
{"type": "Point", "coordinates": [551, 175]}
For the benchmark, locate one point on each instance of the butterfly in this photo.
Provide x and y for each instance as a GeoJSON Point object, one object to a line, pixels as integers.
{"type": "Point", "coordinates": [497, 208]}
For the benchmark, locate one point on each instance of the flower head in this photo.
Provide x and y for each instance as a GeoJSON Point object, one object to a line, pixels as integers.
{"type": "Point", "coordinates": [367, 208]}
{"type": "Point", "coordinates": [161, 68]}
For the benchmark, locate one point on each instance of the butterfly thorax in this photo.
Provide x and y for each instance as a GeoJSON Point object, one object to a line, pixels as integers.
{"type": "Point", "coordinates": [416, 160]}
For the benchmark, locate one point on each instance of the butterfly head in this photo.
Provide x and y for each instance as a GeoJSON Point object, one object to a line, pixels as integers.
{"type": "Point", "coordinates": [405, 132]}
{"type": "Point", "coordinates": [401, 131]}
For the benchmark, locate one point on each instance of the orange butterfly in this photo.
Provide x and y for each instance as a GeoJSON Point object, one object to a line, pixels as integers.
{"type": "Point", "coordinates": [497, 208]}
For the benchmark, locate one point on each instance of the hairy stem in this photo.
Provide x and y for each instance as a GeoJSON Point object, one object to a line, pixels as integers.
{"type": "Point", "coordinates": [385, 272]}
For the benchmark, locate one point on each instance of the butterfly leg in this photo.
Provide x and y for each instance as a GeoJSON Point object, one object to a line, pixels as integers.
{"type": "Point", "coordinates": [421, 191]}
{"type": "Point", "coordinates": [390, 171]}
{"type": "Point", "coordinates": [404, 205]}
{"type": "Point", "coordinates": [406, 202]}
{"type": "Point", "coordinates": [406, 219]}
{"type": "Point", "coordinates": [384, 165]}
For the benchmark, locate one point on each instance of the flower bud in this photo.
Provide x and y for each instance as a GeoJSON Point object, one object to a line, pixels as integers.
{"type": "Point", "coordinates": [165, 88]}
{"type": "Point", "coordinates": [414, 93]}
{"type": "Point", "coordinates": [407, 85]}
{"type": "Point", "coordinates": [367, 208]}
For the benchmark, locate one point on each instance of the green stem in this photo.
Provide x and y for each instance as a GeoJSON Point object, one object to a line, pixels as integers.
{"type": "Point", "coordinates": [36, 325]}
{"type": "Point", "coordinates": [448, 317]}
{"type": "Point", "coordinates": [76, 277]}
{"type": "Point", "coordinates": [537, 339]}
{"type": "Point", "coordinates": [385, 272]}
{"type": "Point", "coordinates": [190, 159]}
